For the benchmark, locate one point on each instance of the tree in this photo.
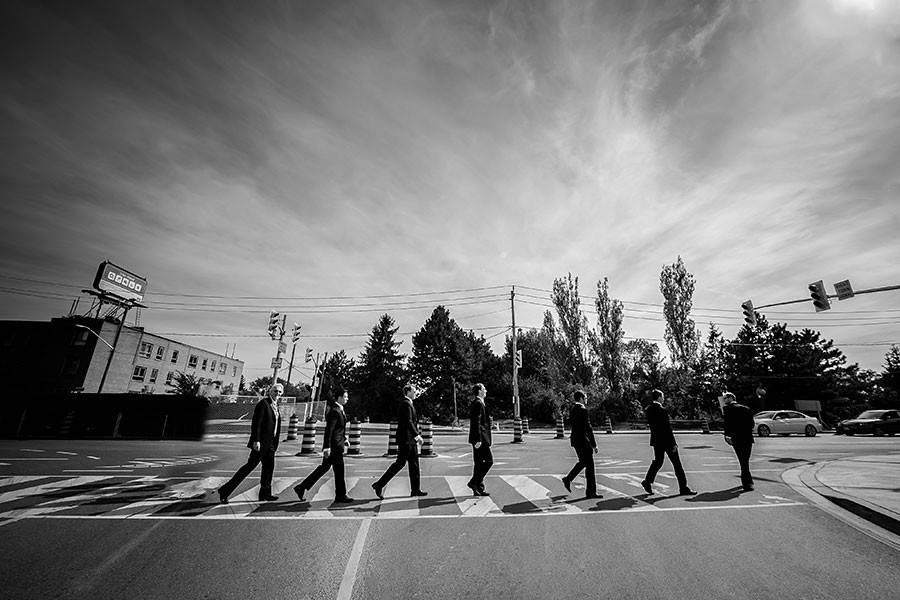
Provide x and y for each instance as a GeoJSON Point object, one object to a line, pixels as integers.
{"type": "Point", "coordinates": [336, 375]}
{"type": "Point", "coordinates": [442, 354]}
{"type": "Point", "coordinates": [608, 345]}
{"type": "Point", "coordinates": [260, 387]}
{"type": "Point", "coordinates": [677, 287]}
{"type": "Point", "coordinates": [574, 329]}
{"type": "Point", "coordinates": [890, 377]}
{"type": "Point", "coordinates": [379, 376]}
{"type": "Point", "coordinates": [187, 384]}
{"type": "Point", "coordinates": [709, 373]}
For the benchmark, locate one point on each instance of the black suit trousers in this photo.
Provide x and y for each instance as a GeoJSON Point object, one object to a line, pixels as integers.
{"type": "Point", "coordinates": [267, 458]}
{"type": "Point", "coordinates": [408, 454]}
{"type": "Point", "coordinates": [585, 461]}
{"type": "Point", "coordinates": [742, 450]}
{"type": "Point", "coordinates": [335, 462]}
{"type": "Point", "coordinates": [659, 454]}
{"type": "Point", "coordinates": [484, 460]}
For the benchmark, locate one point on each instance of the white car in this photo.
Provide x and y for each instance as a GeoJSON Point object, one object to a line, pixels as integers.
{"type": "Point", "coordinates": [785, 422]}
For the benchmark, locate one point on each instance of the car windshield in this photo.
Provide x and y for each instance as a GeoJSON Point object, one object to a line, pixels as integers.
{"type": "Point", "coordinates": [764, 415]}
{"type": "Point", "coordinates": [871, 414]}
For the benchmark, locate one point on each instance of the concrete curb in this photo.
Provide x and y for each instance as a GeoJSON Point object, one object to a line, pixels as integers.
{"type": "Point", "coordinates": [860, 515]}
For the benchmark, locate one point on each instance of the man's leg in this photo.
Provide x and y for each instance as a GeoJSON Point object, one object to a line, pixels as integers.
{"type": "Point", "coordinates": [227, 489]}
{"type": "Point", "coordinates": [675, 459]}
{"type": "Point", "coordinates": [743, 456]}
{"type": "Point", "coordinates": [659, 454]}
{"type": "Point", "coordinates": [392, 470]}
{"type": "Point", "coordinates": [267, 457]}
{"type": "Point", "coordinates": [412, 458]}
{"type": "Point", "coordinates": [586, 458]}
{"type": "Point", "coordinates": [487, 461]}
{"type": "Point", "coordinates": [337, 465]}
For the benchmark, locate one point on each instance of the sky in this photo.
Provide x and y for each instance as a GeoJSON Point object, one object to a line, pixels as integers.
{"type": "Point", "coordinates": [339, 160]}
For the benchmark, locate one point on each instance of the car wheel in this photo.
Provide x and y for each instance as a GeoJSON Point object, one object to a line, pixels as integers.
{"type": "Point", "coordinates": [810, 431]}
{"type": "Point", "coordinates": [763, 431]}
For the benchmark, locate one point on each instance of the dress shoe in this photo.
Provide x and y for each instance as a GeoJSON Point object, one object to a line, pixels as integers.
{"type": "Point", "coordinates": [343, 500]}
{"type": "Point", "coordinates": [223, 497]}
{"type": "Point", "coordinates": [646, 486]}
{"type": "Point", "coordinates": [748, 488]}
{"type": "Point", "coordinates": [686, 492]}
{"type": "Point", "coordinates": [379, 490]}
{"type": "Point", "coordinates": [567, 484]}
{"type": "Point", "coordinates": [482, 491]}
{"type": "Point", "coordinates": [594, 495]}
{"type": "Point", "coordinates": [300, 491]}
{"type": "Point", "coordinates": [418, 493]}
{"type": "Point", "coordinates": [474, 488]}
{"type": "Point", "coordinates": [268, 498]}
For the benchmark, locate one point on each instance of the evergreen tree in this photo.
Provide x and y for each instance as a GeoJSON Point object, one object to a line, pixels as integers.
{"type": "Point", "coordinates": [574, 329]}
{"type": "Point", "coordinates": [677, 287]}
{"type": "Point", "coordinates": [379, 376]}
{"type": "Point", "coordinates": [608, 346]}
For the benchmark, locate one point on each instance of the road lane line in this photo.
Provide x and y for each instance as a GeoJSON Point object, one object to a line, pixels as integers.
{"type": "Point", "coordinates": [345, 592]}
{"type": "Point", "coordinates": [469, 505]}
{"type": "Point", "coordinates": [86, 581]}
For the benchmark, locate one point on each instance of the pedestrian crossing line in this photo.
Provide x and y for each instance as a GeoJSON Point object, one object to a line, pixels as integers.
{"type": "Point", "coordinates": [635, 481]}
{"type": "Point", "coordinates": [514, 495]}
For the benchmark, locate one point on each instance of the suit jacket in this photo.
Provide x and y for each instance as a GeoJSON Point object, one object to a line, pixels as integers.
{"type": "Point", "coordinates": [660, 427]}
{"type": "Point", "coordinates": [479, 424]}
{"type": "Point", "coordinates": [407, 423]}
{"type": "Point", "coordinates": [582, 433]}
{"type": "Point", "coordinates": [263, 428]}
{"type": "Point", "coordinates": [738, 423]}
{"type": "Point", "coordinates": [335, 429]}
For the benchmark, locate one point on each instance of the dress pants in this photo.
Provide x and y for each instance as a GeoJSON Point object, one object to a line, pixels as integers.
{"type": "Point", "coordinates": [335, 462]}
{"type": "Point", "coordinates": [408, 454]}
{"type": "Point", "coordinates": [267, 458]}
{"type": "Point", "coordinates": [659, 454]}
{"type": "Point", "coordinates": [742, 450]}
{"type": "Point", "coordinates": [586, 462]}
{"type": "Point", "coordinates": [484, 460]}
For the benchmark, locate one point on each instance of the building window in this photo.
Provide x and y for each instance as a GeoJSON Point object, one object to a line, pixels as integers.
{"type": "Point", "coordinates": [71, 366]}
{"type": "Point", "coordinates": [81, 336]}
{"type": "Point", "coordinates": [212, 367]}
{"type": "Point", "coordinates": [153, 375]}
{"type": "Point", "coordinates": [169, 376]}
{"type": "Point", "coordinates": [146, 349]}
{"type": "Point", "coordinates": [223, 368]}
{"type": "Point", "coordinates": [160, 353]}
{"type": "Point", "coordinates": [234, 371]}
{"type": "Point", "coordinates": [203, 365]}
{"type": "Point", "coordinates": [139, 373]}
{"type": "Point", "coordinates": [174, 356]}
{"type": "Point", "coordinates": [192, 361]}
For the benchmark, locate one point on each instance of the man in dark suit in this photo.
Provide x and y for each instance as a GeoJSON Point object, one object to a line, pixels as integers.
{"type": "Point", "coordinates": [582, 439]}
{"type": "Point", "coordinates": [662, 439]}
{"type": "Point", "coordinates": [739, 434]}
{"type": "Point", "coordinates": [265, 429]}
{"type": "Point", "coordinates": [332, 452]}
{"type": "Point", "coordinates": [480, 438]}
{"type": "Point", "coordinates": [408, 440]}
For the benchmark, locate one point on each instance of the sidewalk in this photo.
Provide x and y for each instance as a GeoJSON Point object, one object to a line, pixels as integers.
{"type": "Point", "coordinates": [871, 481]}
{"type": "Point", "coordinates": [863, 491]}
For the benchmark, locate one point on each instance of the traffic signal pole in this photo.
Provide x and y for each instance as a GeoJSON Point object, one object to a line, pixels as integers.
{"type": "Point", "coordinates": [515, 367]}
{"type": "Point", "coordinates": [886, 288]}
{"type": "Point", "coordinates": [278, 354]}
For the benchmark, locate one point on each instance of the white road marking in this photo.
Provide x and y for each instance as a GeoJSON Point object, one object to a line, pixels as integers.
{"type": "Point", "coordinates": [469, 505]}
{"type": "Point", "coordinates": [93, 457]}
{"type": "Point", "coordinates": [67, 453]}
{"type": "Point", "coordinates": [537, 494]}
{"type": "Point", "coordinates": [171, 495]}
{"type": "Point", "coordinates": [345, 592]}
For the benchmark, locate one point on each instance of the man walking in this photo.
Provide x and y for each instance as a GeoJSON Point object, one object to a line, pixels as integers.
{"type": "Point", "coordinates": [332, 452]}
{"type": "Point", "coordinates": [408, 441]}
{"type": "Point", "coordinates": [739, 434]}
{"type": "Point", "coordinates": [265, 429]}
{"type": "Point", "coordinates": [582, 439]}
{"type": "Point", "coordinates": [662, 439]}
{"type": "Point", "coordinates": [480, 438]}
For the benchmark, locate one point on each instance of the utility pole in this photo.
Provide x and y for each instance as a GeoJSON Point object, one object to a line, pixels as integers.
{"type": "Point", "coordinates": [276, 362]}
{"type": "Point", "coordinates": [515, 367]}
{"type": "Point", "coordinates": [291, 364]}
{"type": "Point", "coordinates": [455, 417]}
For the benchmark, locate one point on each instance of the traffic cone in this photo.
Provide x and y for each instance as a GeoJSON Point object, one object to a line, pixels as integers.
{"type": "Point", "coordinates": [560, 432]}
{"type": "Point", "coordinates": [392, 440]}
{"type": "Point", "coordinates": [355, 437]}
{"type": "Point", "coordinates": [427, 440]}
{"type": "Point", "coordinates": [517, 431]}
{"type": "Point", "coordinates": [308, 445]}
{"type": "Point", "coordinates": [292, 428]}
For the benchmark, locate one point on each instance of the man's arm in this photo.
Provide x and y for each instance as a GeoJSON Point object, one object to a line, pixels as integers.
{"type": "Point", "coordinates": [330, 422]}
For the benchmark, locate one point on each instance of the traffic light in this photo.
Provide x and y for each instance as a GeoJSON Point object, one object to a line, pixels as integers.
{"type": "Point", "coordinates": [308, 355]}
{"type": "Point", "coordinates": [819, 296]}
{"type": "Point", "coordinates": [295, 334]}
{"type": "Point", "coordinates": [749, 313]}
{"type": "Point", "coordinates": [518, 359]}
{"type": "Point", "coordinates": [274, 327]}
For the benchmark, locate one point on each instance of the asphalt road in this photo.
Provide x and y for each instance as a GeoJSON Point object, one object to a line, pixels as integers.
{"type": "Point", "coordinates": [127, 519]}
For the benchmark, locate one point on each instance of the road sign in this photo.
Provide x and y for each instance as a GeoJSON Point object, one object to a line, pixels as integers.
{"type": "Point", "coordinates": [282, 347]}
{"type": "Point", "coordinates": [843, 289]}
{"type": "Point", "coordinates": [276, 363]}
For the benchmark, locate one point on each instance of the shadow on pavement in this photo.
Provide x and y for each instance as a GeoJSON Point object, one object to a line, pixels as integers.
{"type": "Point", "coordinates": [718, 496]}
{"type": "Point", "coordinates": [615, 504]}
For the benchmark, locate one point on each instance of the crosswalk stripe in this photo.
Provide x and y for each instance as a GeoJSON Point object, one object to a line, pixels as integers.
{"type": "Point", "coordinates": [69, 502]}
{"type": "Point", "coordinates": [537, 494]}
{"type": "Point", "coordinates": [469, 505]}
{"type": "Point", "coordinates": [48, 487]}
{"type": "Point", "coordinates": [397, 502]}
{"type": "Point", "coordinates": [635, 481]}
{"type": "Point", "coordinates": [321, 501]}
{"type": "Point", "coordinates": [172, 495]}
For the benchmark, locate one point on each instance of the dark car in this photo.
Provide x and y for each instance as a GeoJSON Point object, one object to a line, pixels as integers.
{"type": "Point", "coordinates": [876, 422]}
